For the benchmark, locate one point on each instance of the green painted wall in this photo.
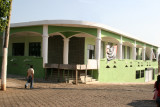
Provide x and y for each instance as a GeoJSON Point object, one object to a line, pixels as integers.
{"type": "Point", "coordinates": [19, 65]}
{"type": "Point", "coordinates": [53, 29]}
{"type": "Point", "coordinates": [125, 39]}
{"type": "Point", "coordinates": [68, 34]}
{"type": "Point", "coordinates": [38, 29]}
{"type": "Point", "coordinates": [109, 34]}
{"type": "Point", "coordinates": [139, 43]}
{"type": "Point", "coordinates": [25, 40]}
{"type": "Point", "coordinates": [88, 41]}
{"type": "Point", "coordinates": [147, 45]}
{"type": "Point", "coordinates": [156, 48]}
{"type": "Point", "coordinates": [122, 73]}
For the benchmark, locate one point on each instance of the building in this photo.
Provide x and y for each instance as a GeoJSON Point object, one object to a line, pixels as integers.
{"type": "Point", "coordinates": [64, 50]}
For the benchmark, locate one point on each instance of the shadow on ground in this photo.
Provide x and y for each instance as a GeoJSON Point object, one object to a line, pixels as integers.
{"type": "Point", "coordinates": [143, 103]}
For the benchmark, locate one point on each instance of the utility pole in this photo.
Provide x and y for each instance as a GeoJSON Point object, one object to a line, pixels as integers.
{"type": "Point", "coordinates": [5, 51]}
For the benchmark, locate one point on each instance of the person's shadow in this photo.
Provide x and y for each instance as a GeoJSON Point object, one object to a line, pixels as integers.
{"type": "Point", "coordinates": [143, 103]}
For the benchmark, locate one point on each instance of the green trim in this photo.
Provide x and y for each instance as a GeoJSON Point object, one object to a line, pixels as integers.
{"type": "Point", "coordinates": [139, 43]}
{"type": "Point", "coordinates": [147, 45]}
{"type": "Point", "coordinates": [69, 34]}
{"type": "Point", "coordinates": [155, 48]}
{"type": "Point", "coordinates": [125, 39]}
{"type": "Point", "coordinates": [53, 29]}
{"type": "Point", "coordinates": [38, 29]}
{"type": "Point", "coordinates": [109, 34]}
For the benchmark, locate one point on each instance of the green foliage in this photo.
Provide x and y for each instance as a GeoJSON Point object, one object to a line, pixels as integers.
{"type": "Point", "coordinates": [4, 13]}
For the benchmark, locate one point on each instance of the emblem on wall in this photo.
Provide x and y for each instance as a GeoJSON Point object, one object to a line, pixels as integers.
{"type": "Point", "coordinates": [111, 52]}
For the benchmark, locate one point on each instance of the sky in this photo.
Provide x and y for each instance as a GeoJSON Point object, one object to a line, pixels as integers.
{"type": "Point", "coordinates": [140, 18]}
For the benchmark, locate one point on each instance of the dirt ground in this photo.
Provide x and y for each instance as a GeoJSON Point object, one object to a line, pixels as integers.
{"type": "Point", "coordinates": [82, 95]}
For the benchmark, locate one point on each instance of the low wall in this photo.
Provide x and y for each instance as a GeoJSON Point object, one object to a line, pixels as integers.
{"type": "Point", "coordinates": [124, 70]}
{"type": "Point", "coordinates": [18, 65]}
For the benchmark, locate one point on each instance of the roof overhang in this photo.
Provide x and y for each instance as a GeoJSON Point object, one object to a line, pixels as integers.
{"type": "Point", "coordinates": [76, 23]}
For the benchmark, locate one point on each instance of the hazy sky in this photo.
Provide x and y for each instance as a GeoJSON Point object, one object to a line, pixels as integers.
{"type": "Point", "coordinates": [140, 18]}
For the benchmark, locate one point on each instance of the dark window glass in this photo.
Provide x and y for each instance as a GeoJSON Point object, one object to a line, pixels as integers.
{"type": "Point", "coordinates": [91, 49]}
{"type": "Point", "coordinates": [91, 54]}
{"type": "Point", "coordinates": [35, 49]}
{"type": "Point", "coordinates": [142, 73]}
{"type": "Point", "coordinates": [18, 49]}
{"type": "Point", "coordinates": [137, 74]}
{"type": "Point", "coordinates": [153, 74]}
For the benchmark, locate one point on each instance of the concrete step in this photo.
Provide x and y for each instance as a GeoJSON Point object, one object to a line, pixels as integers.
{"type": "Point", "coordinates": [95, 82]}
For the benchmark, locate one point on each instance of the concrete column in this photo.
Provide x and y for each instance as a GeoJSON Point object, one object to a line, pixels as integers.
{"type": "Point", "coordinates": [134, 51]}
{"type": "Point", "coordinates": [157, 54]}
{"type": "Point", "coordinates": [98, 46]}
{"type": "Point", "coordinates": [144, 53]}
{"type": "Point", "coordinates": [45, 44]}
{"type": "Point", "coordinates": [65, 50]}
{"type": "Point", "coordinates": [120, 51]}
{"type": "Point", "coordinates": [151, 54]}
{"type": "Point", "coordinates": [126, 55]}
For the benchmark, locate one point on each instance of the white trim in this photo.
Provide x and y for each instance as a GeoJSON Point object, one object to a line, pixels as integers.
{"type": "Point", "coordinates": [65, 50]}
{"type": "Point", "coordinates": [45, 44]}
{"type": "Point", "coordinates": [98, 46]}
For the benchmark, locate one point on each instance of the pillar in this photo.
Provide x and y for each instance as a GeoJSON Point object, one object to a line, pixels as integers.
{"type": "Point", "coordinates": [144, 53]}
{"type": "Point", "coordinates": [134, 51]}
{"type": "Point", "coordinates": [151, 54]}
{"type": "Point", "coordinates": [120, 51]}
{"type": "Point", "coordinates": [126, 55]}
{"type": "Point", "coordinates": [65, 50]}
{"type": "Point", "coordinates": [98, 46]}
{"type": "Point", "coordinates": [45, 44]}
{"type": "Point", "coordinates": [157, 55]}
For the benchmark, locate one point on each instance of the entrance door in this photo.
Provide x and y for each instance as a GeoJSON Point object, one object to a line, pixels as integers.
{"type": "Point", "coordinates": [148, 75]}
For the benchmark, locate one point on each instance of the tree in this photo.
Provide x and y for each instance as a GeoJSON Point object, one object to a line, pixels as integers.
{"type": "Point", "coordinates": [4, 13]}
{"type": "Point", "coordinates": [5, 16]}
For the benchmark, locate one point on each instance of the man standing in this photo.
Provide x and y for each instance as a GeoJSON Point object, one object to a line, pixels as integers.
{"type": "Point", "coordinates": [30, 77]}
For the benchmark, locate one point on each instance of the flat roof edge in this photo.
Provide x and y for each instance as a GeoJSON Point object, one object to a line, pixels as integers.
{"type": "Point", "coordinates": [82, 23]}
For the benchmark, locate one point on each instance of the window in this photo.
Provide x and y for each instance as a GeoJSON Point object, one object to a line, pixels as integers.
{"type": "Point", "coordinates": [137, 74]}
{"type": "Point", "coordinates": [91, 51]}
{"type": "Point", "coordinates": [18, 49]}
{"type": "Point", "coordinates": [35, 49]}
{"type": "Point", "coordinates": [142, 73]}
